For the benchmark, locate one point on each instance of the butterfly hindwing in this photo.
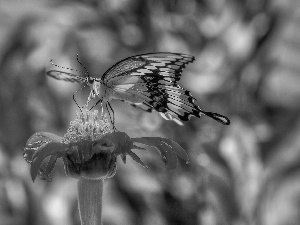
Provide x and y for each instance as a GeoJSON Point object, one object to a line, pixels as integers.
{"type": "Point", "coordinates": [178, 106]}
{"type": "Point", "coordinates": [60, 75]}
{"type": "Point", "coordinates": [172, 102]}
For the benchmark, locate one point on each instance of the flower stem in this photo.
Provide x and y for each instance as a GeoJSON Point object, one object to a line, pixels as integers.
{"type": "Point", "coordinates": [90, 201]}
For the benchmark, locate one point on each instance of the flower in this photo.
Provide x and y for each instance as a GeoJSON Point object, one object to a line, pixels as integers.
{"type": "Point", "coordinates": [90, 148]}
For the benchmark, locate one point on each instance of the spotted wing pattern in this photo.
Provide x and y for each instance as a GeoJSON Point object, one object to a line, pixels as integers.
{"type": "Point", "coordinates": [60, 75]}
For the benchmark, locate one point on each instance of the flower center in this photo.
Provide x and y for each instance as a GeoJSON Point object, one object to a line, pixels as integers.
{"type": "Point", "coordinates": [87, 126]}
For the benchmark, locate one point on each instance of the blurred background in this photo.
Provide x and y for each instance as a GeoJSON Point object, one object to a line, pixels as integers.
{"type": "Point", "coordinates": [247, 68]}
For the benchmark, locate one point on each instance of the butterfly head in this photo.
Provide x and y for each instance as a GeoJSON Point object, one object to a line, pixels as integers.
{"type": "Point", "coordinates": [89, 81]}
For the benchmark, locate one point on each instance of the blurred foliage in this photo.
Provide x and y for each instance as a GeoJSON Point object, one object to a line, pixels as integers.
{"type": "Point", "coordinates": [246, 68]}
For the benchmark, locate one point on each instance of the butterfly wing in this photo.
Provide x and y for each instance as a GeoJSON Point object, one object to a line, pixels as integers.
{"type": "Point", "coordinates": [149, 81]}
{"type": "Point", "coordinates": [171, 101]}
{"type": "Point", "coordinates": [126, 80]}
{"type": "Point", "coordinates": [60, 75]}
{"type": "Point", "coordinates": [163, 66]}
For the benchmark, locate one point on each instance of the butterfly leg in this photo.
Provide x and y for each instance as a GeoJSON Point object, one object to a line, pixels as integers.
{"type": "Point", "coordinates": [112, 119]}
{"type": "Point", "coordinates": [100, 100]}
{"type": "Point", "coordinates": [75, 99]}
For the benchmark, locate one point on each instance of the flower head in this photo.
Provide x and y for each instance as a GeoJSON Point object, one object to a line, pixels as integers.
{"type": "Point", "coordinates": [87, 126]}
{"type": "Point", "coordinates": [89, 149]}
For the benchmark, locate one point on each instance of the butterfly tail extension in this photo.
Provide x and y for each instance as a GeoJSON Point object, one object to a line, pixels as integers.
{"type": "Point", "coordinates": [181, 107]}
{"type": "Point", "coordinates": [220, 118]}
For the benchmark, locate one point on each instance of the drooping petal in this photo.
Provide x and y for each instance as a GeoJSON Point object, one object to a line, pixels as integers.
{"type": "Point", "coordinates": [121, 140]}
{"type": "Point", "coordinates": [168, 150]}
{"type": "Point", "coordinates": [177, 149]}
{"type": "Point", "coordinates": [45, 175]}
{"type": "Point", "coordinates": [52, 148]}
{"type": "Point", "coordinates": [156, 141]}
{"type": "Point", "coordinates": [37, 141]}
{"type": "Point", "coordinates": [42, 136]}
{"type": "Point", "coordinates": [137, 159]}
{"type": "Point", "coordinates": [169, 157]}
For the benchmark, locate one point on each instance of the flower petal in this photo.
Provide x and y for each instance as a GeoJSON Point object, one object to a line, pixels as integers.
{"type": "Point", "coordinates": [37, 141]}
{"type": "Point", "coordinates": [43, 152]}
{"type": "Point", "coordinates": [137, 159]}
{"type": "Point", "coordinates": [42, 136]}
{"type": "Point", "coordinates": [155, 141]}
{"type": "Point", "coordinates": [167, 149]}
{"type": "Point", "coordinates": [45, 175]}
{"type": "Point", "coordinates": [121, 140]}
{"type": "Point", "coordinates": [177, 149]}
{"type": "Point", "coordinates": [170, 158]}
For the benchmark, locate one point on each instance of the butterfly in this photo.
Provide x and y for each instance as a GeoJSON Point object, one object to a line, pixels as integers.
{"type": "Point", "coordinates": [148, 81]}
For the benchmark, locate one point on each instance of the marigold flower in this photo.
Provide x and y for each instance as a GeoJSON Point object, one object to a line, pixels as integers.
{"type": "Point", "coordinates": [89, 149]}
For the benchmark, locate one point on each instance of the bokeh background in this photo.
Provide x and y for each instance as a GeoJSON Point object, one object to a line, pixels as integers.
{"type": "Point", "coordinates": [247, 67]}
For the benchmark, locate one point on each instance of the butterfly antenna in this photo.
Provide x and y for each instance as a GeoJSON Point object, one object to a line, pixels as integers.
{"type": "Point", "coordinates": [220, 118]}
{"type": "Point", "coordinates": [67, 68]}
{"type": "Point", "coordinates": [86, 71]}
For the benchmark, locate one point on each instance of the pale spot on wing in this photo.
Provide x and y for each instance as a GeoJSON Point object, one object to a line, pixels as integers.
{"type": "Point", "coordinates": [163, 116]}
{"type": "Point", "coordinates": [144, 71]}
{"type": "Point", "coordinates": [178, 121]}
{"type": "Point", "coordinates": [165, 74]}
{"type": "Point", "coordinates": [168, 79]}
{"type": "Point", "coordinates": [128, 80]}
{"type": "Point", "coordinates": [168, 115]}
{"type": "Point", "coordinates": [175, 109]}
{"type": "Point", "coordinates": [151, 67]}
{"type": "Point", "coordinates": [124, 86]}
{"type": "Point", "coordinates": [142, 106]}
{"type": "Point", "coordinates": [136, 74]}
{"type": "Point", "coordinates": [172, 115]}
{"type": "Point", "coordinates": [139, 87]}
{"type": "Point", "coordinates": [173, 66]}
{"type": "Point", "coordinates": [158, 64]}
{"type": "Point", "coordinates": [160, 59]}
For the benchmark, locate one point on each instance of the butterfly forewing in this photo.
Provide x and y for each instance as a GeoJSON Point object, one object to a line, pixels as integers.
{"type": "Point", "coordinates": [163, 66]}
{"type": "Point", "coordinates": [60, 75]}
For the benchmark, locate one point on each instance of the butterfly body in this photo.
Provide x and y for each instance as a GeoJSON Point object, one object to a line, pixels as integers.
{"type": "Point", "coordinates": [147, 81]}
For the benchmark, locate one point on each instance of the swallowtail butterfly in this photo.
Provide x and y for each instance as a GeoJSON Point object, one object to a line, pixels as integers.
{"type": "Point", "coordinates": [148, 81]}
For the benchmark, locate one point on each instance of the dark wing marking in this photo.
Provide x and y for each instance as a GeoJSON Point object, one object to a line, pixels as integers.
{"type": "Point", "coordinates": [164, 66]}
{"type": "Point", "coordinates": [60, 75]}
{"type": "Point", "coordinates": [172, 102]}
